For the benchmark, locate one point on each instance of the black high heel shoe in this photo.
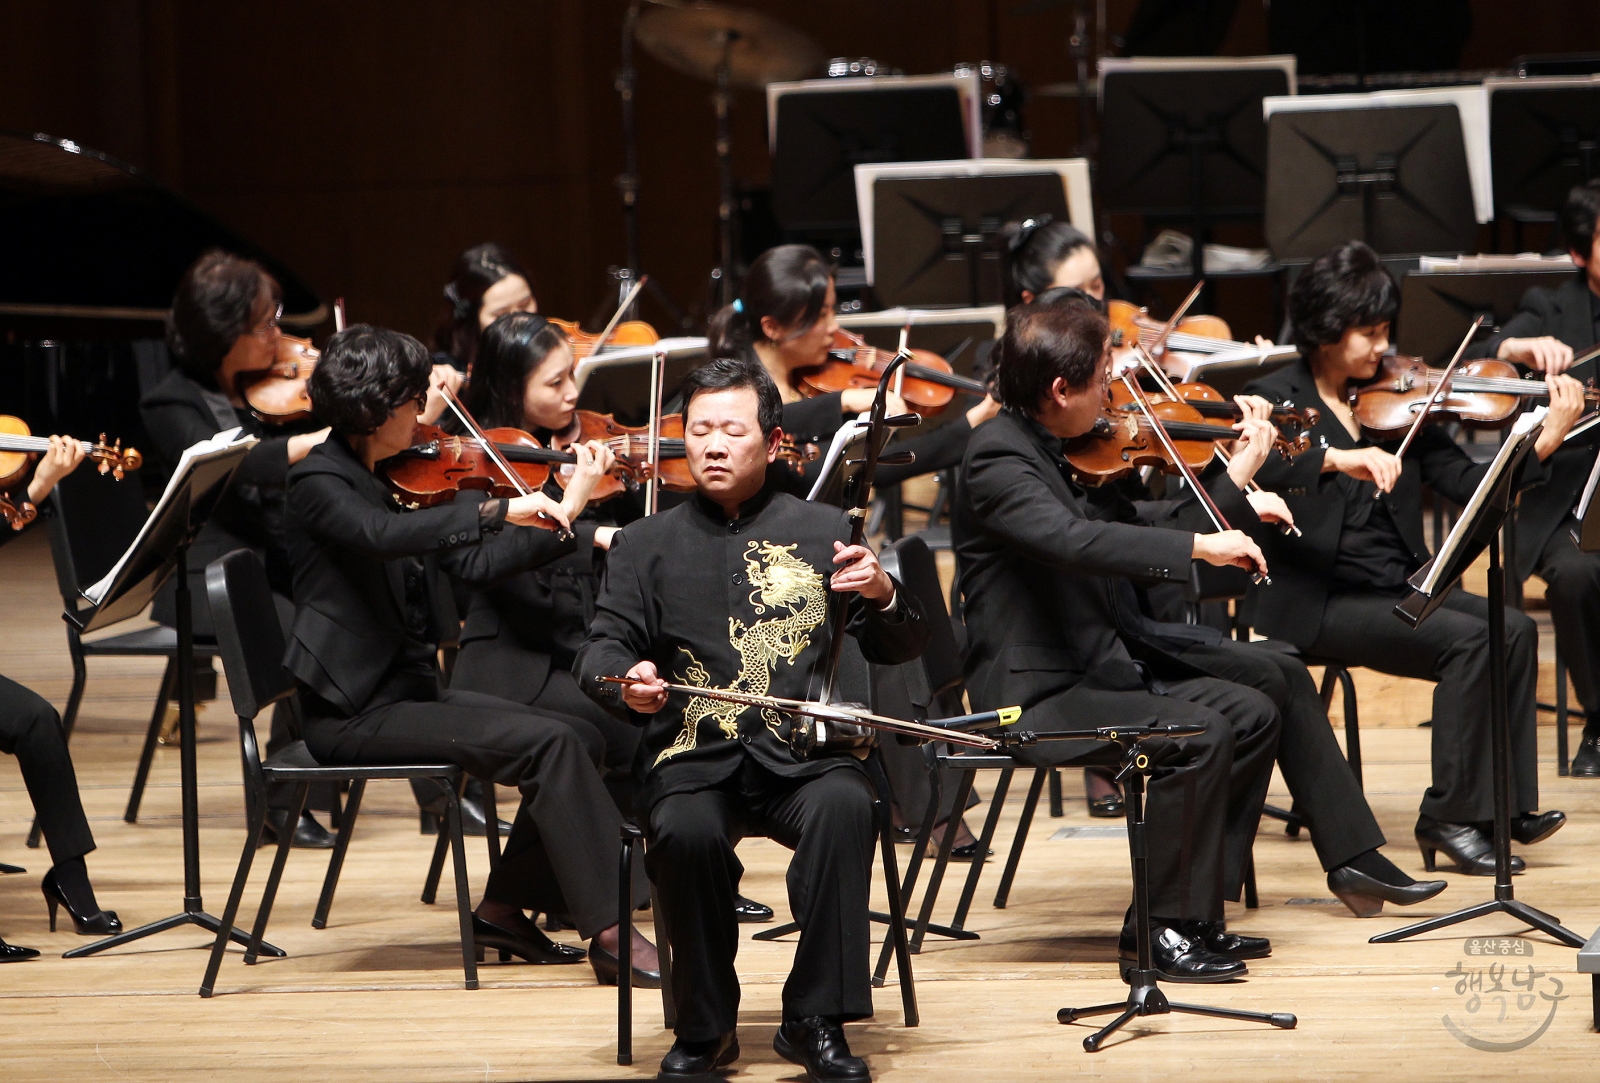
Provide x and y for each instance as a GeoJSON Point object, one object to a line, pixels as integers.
{"type": "Point", "coordinates": [16, 953]}
{"type": "Point", "coordinates": [607, 969]}
{"type": "Point", "coordinates": [1463, 844]}
{"type": "Point", "coordinates": [99, 923]}
{"type": "Point", "coordinates": [537, 948]}
{"type": "Point", "coordinates": [1365, 895]}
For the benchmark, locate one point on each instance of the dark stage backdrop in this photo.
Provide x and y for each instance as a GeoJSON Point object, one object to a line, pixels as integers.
{"type": "Point", "coordinates": [366, 142]}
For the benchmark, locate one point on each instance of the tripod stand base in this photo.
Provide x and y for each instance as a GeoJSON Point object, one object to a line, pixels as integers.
{"type": "Point", "coordinates": [1538, 919]}
{"type": "Point", "coordinates": [1146, 998]}
{"type": "Point", "coordinates": [188, 917]}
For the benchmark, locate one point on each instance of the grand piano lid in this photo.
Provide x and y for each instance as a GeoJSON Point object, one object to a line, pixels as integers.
{"type": "Point", "coordinates": [84, 236]}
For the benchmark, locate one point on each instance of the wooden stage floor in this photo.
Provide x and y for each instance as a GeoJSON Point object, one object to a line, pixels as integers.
{"type": "Point", "coordinates": [377, 995]}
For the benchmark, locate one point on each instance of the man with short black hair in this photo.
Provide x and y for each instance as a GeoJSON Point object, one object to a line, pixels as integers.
{"type": "Point", "coordinates": [1550, 328]}
{"type": "Point", "coordinates": [734, 590]}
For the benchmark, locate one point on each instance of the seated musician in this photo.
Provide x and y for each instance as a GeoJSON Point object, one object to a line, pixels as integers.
{"type": "Point", "coordinates": [1334, 589]}
{"type": "Point", "coordinates": [1043, 254]}
{"type": "Point", "coordinates": [1550, 327]}
{"type": "Point", "coordinates": [30, 730]}
{"type": "Point", "coordinates": [364, 643]}
{"type": "Point", "coordinates": [733, 589]}
{"type": "Point", "coordinates": [486, 282]}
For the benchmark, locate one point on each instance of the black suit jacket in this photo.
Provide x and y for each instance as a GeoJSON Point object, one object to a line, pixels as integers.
{"type": "Point", "coordinates": [1046, 605]}
{"type": "Point", "coordinates": [347, 538]}
{"type": "Point", "coordinates": [1564, 313]}
{"type": "Point", "coordinates": [1291, 607]}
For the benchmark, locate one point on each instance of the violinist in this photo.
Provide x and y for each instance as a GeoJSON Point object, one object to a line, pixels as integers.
{"type": "Point", "coordinates": [30, 730]}
{"type": "Point", "coordinates": [486, 282]}
{"type": "Point", "coordinates": [733, 589]}
{"type": "Point", "coordinates": [1334, 588]}
{"type": "Point", "coordinates": [785, 320]}
{"type": "Point", "coordinates": [363, 644]}
{"type": "Point", "coordinates": [1550, 328]}
{"type": "Point", "coordinates": [1042, 254]}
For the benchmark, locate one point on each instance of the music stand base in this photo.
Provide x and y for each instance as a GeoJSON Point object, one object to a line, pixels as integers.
{"type": "Point", "coordinates": [1538, 919]}
{"type": "Point", "coordinates": [188, 917]}
{"type": "Point", "coordinates": [1146, 998]}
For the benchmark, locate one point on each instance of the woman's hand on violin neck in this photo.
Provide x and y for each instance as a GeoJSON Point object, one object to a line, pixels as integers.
{"type": "Point", "coordinates": [595, 460]}
{"type": "Point", "coordinates": [62, 459]}
{"type": "Point", "coordinates": [1230, 547]}
{"type": "Point", "coordinates": [529, 510]}
{"type": "Point", "coordinates": [1270, 507]}
{"type": "Point", "coordinates": [1543, 354]}
{"type": "Point", "coordinates": [300, 446]}
{"type": "Point", "coordinates": [858, 400]}
{"type": "Point", "coordinates": [1364, 464]}
{"type": "Point", "coordinates": [1566, 406]}
{"type": "Point", "coordinates": [1256, 437]}
{"type": "Point", "coordinates": [443, 378]}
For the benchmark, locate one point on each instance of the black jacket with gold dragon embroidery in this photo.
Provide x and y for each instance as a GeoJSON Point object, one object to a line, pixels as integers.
{"type": "Point", "coordinates": [737, 604]}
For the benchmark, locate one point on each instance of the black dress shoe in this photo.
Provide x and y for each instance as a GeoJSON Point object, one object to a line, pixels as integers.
{"type": "Point", "coordinates": [1532, 827]}
{"type": "Point", "coordinates": [749, 912]}
{"type": "Point", "coordinates": [16, 953]}
{"type": "Point", "coordinates": [969, 852]}
{"type": "Point", "coordinates": [1177, 958]}
{"type": "Point", "coordinates": [1215, 937]}
{"type": "Point", "coordinates": [99, 923]}
{"type": "Point", "coordinates": [308, 834]}
{"type": "Point", "coordinates": [1365, 895]}
{"type": "Point", "coordinates": [1109, 806]}
{"type": "Point", "coordinates": [608, 968]}
{"type": "Point", "coordinates": [818, 1044]}
{"type": "Point", "coordinates": [472, 821]}
{"type": "Point", "coordinates": [529, 944]}
{"type": "Point", "coordinates": [693, 1062]}
{"type": "Point", "coordinates": [903, 835]}
{"type": "Point", "coordinates": [1586, 764]}
{"type": "Point", "coordinates": [1466, 846]}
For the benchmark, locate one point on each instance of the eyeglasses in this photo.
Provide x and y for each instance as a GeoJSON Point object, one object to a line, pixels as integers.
{"type": "Point", "coordinates": [270, 325]}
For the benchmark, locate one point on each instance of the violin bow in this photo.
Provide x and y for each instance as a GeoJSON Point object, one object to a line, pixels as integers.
{"type": "Point", "coordinates": [1165, 384]}
{"type": "Point", "coordinates": [1161, 339]}
{"type": "Point", "coordinates": [1439, 389]}
{"type": "Point", "coordinates": [494, 454]}
{"type": "Point", "coordinates": [616, 317]}
{"type": "Point", "coordinates": [1218, 520]}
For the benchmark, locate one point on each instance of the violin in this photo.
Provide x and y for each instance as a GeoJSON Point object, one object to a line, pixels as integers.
{"type": "Point", "coordinates": [1215, 408]}
{"type": "Point", "coordinates": [626, 333]}
{"type": "Point", "coordinates": [277, 394]}
{"type": "Point", "coordinates": [927, 385]}
{"type": "Point", "coordinates": [1194, 334]}
{"type": "Point", "coordinates": [18, 446]}
{"type": "Point", "coordinates": [1484, 394]}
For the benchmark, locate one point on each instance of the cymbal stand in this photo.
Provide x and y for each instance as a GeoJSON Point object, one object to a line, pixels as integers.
{"type": "Point", "coordinates": [1144, 995]}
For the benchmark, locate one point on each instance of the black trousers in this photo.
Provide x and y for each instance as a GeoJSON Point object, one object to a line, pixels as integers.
{"type": "Point", "coordinates": [1204, 800]}
{"type": "Point", "coordinates": [1325, 790]}
{"type": "Point", "coordinates": [1450, 648]}
{"type": "Point", "coordinates": [1572, 587]}
{"type": "Point", "coordinates": [562, 853]}
{"type": "Point", "coordinates": [30, 730]}
{"type": "Point", "coordinates": [828, 822]}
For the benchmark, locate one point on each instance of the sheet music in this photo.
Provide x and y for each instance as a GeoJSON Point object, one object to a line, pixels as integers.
{"type": "Point", "coordinates": [204, 451]}
{"type": "Point", "coordinates": [849, 433]}
{"type": "Point", "coordinates": [1520, 434]}
{"type": "Point", "coordinates": [1588, 490]}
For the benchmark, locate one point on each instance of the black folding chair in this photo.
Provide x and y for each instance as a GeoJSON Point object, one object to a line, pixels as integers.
{"type": "Point", "coordinates": [250, 643]}
{"type": "Point", "coordinates": [93, 519]}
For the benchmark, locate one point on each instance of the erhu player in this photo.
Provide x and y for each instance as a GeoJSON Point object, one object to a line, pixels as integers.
{"type": "Point", "coordinates": [732, 590]}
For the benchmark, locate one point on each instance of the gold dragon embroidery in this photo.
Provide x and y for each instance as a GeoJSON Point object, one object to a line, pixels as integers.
{"type": "Point", "coordinates": [781, 581]}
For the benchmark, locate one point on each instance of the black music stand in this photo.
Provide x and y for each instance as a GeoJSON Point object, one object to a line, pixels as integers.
{"type": "Point", "coordinates": [840, 466]}
{"type": "Point", "coordinates": [1396, 178]}
{"type": "Point", "coordinates": [1437, 307]}
{"type": "Point", "coordinates": [1189, 144]}
{"type": "Point", "coordinates": [1479, 528]}
{"type": "Point", "coordinates": [1144, 993]}
{"type": "Point", "coordinates": [617, 381]}
{"type": "Point", "coordinates": [934, 238]}
{"type": "Point", "coordinates": [1544, 140]}
{"type": "Point", "coordinates": [160, 551]}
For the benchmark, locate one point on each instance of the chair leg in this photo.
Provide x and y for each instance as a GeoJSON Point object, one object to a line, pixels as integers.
{"type": "Point", "coordinates": [669, 1009]}
{"type": "Point", "coordinates": [230, 913]}
{"type": "Point", "coordinates": [625, 949]}
{"type": "Point", "coordinates": [430, 886]}
{"type": "Point", "coordinates": [1563, 765]}
{"type": "Point", "coordinates": [891, 885]}
{"type": "Point", "coordinates": [491, 817]}
{"type": "Point", "coordinates": [147, 755]}
{"type": "Point", "coordinates": [1352, 725]}
{"type": "Point", "coordinates": [930, 894]}
{"type": "Point", "coordinates": [970, 888]}
{"type": "Point", "coordinates": [330, 881]}
{"type": "Point", "coordinates": [279, 860]}
{"type": "Point", "coordinates": [914, 866]}
{"type": "Point", "coordinates": [469, 951]}
{"type": "Point", "coordinates": [1015, 857]}
{"type": "Point", "coordinates": [1251, 900]}
{"type": "Point", "coordinates": [1056, 811]}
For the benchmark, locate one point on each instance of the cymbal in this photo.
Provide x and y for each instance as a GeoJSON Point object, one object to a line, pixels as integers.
{"type": "Point", "coordinates": [691, 38]}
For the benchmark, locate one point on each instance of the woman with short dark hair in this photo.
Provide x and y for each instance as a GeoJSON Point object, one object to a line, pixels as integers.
{"type": "Point", "coordinates": [1359, 509]}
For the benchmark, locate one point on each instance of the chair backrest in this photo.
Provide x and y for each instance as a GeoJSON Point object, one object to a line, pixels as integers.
{"type": "Point", "coordinates": [249, 638]}
{"type": "Point", "coordinates": [911, 562]}
{"type": "Point", "coordinates": [94, 518]}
